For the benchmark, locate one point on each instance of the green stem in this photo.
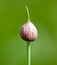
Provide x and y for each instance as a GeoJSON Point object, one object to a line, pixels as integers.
{"type": "Point", "coordinates": [28, 53]}
{"type": "Point", "coordinates": [28, 13]}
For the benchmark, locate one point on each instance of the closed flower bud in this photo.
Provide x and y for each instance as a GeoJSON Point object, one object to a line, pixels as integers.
{"type": "Point", "coordinates": [28, 31]}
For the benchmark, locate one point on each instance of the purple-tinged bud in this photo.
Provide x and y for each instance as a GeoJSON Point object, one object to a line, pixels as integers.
{"type": "Point", "coordinates": [28, 31]}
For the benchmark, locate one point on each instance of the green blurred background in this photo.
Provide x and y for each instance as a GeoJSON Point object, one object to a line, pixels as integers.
{"type": "Point", "coordinates": [13, 15]}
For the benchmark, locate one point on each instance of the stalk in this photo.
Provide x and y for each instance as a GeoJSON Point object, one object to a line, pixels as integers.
{"type": "Point", "coordinates": [28, 54]}
{"type": "Point", "coordinates": [28, 13]}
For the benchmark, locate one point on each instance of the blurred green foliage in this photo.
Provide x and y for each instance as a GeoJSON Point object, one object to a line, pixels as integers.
{"type": "Point", "coordinates": [13, 15]}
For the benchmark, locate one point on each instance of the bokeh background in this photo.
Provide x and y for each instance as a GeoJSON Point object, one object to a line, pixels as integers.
{"type": "Point", "coordinates": [13, 15]}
